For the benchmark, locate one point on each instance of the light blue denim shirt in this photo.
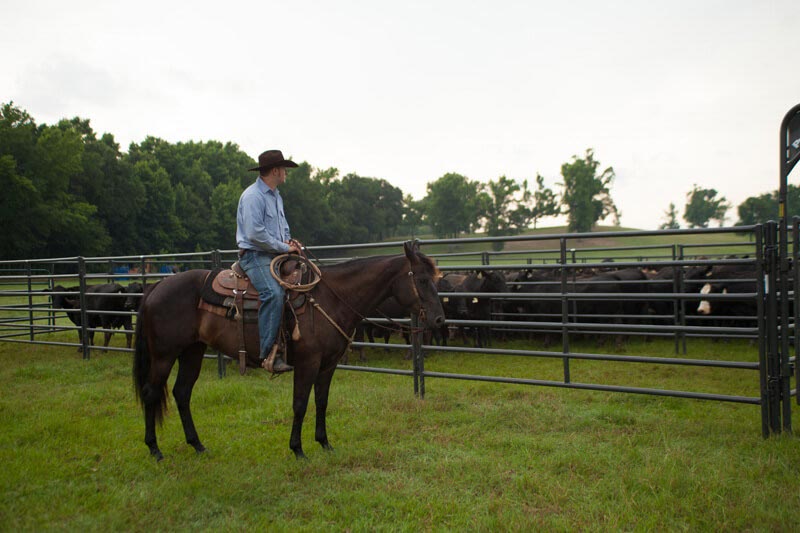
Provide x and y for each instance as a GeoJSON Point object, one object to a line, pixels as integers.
{"type": "Point", "coordinates": [260, 221]}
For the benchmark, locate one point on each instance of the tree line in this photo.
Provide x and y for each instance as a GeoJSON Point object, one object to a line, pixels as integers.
{"type": "Point", "coordinates": [68, 191]}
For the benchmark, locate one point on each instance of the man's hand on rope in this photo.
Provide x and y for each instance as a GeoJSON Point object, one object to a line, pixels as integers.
{"type": "Point", "coordinates": [295, 246]}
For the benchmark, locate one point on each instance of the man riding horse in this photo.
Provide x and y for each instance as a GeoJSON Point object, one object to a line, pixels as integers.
{"type": "Point", "coordinates": [262, 233]}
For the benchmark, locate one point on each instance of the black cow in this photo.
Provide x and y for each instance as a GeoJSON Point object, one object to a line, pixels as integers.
{"type": "Point", "coordinates": [730, 279]}
{"type": "Point", "coordinates": [662, 281]}
{"type": "Point", "coordinates": [545, 307]}
{"type": "Point", "coordinates": [95, 301]}
{"type": "Point", "coordinates": [135, 292]}
{"type": "Point", "coordinates": [476, 307]}
{"type": "Point", "coordinates": [622, 309]}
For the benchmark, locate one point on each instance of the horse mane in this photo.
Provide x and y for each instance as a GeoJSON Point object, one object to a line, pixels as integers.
{"type": "Point", "coordinates": [362, 261]}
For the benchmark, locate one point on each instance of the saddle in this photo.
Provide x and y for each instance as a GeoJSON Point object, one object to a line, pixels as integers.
{"type": "Point", "coordinates": [230, 293]}
{"type": "Point", "coordinates": [224, 288]}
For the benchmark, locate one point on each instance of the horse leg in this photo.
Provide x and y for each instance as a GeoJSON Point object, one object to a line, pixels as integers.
{"type": "Point", "coordinates": [302, 391]}
{"type": "Point", "coordinates": [152, 399]}
{"type": "Point", "coordinates": [321, 389]}
{"type": "Point", "coordinates": [189, 364]}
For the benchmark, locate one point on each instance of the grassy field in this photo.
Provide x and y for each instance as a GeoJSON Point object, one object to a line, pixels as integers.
{"type": "Point", "coordinates": [471, 456]}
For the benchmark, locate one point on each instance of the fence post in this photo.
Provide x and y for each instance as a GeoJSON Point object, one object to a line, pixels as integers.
{"type": "Point", "coordinates": [84, 314]}
{"type": "Point", "coordinates": [676, 288]}
{"type": "Point", "coordinates": [418, 358]}
{"type": "Point", "coordinates": [142, 271]}
{"type": "Point", "coordinates": [763, 342]}
{"type": "Point", "coordinates": [682, 288]}
{"type": "Point", "coordinates": [30, 298]}
{"type": "Point", "coordinates": [783, 294]}
{"type": "Point", "coordinates": [773, 335]}
{"type": "Point", "coordinates": [796, 298]}
{"type": "Point", "coordinates": [565, 306]}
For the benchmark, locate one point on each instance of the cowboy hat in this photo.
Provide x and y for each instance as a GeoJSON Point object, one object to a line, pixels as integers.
{"type": "Point", "coordinates": [271, 159]}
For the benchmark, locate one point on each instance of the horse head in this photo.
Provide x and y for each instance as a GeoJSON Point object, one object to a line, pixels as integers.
{"type": "Point", "coordinates": [417, 288]}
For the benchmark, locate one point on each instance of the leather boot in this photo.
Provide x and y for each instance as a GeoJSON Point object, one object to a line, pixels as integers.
{"type": "Point", "coordinates": [274, 362]}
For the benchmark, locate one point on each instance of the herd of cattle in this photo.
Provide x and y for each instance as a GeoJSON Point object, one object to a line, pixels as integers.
{"type": "Point", "coordinates": [483, 304]}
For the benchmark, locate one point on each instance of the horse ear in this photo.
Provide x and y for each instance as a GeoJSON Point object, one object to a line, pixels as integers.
{"type": "Point", "coordinates": [411, 248]}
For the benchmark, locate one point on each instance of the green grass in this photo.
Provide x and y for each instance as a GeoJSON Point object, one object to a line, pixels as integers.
{"type": "Point", "coordinates": [471, 456]}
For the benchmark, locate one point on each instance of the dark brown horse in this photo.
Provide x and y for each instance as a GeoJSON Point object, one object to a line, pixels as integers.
{"type": "Point", "coordinates": [170, 327]}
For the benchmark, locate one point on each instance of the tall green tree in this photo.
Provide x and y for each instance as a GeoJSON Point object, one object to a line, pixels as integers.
{"type": "Point", "coordinates": [671, 218]}
{"type": "Point", "coordinates": [545, 202]}
{"type": "Point", "coordinates": [702, 206]}
{"type": "Point", "coordinates": [764, 207]}
{"type": "Point", "coordinates": [370, 208]}
{"type": "Point", "coordinates": [41, 167]}
{"type": "Point", "coordinates": [451, 205]}
{"type": "Point", "coordinates": [308, 211]}
{"type": "Point", "coordinates": [505, 208]}
{"type": "Point", "coordinates": [224, 205]}
{"type": "Point", "coordinates": [160, 227]}
{"type": "Point", "coordinates": [586, 196]}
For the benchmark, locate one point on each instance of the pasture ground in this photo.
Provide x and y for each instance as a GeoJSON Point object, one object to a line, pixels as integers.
{"type": "Point", "coordinates": [471, 456]}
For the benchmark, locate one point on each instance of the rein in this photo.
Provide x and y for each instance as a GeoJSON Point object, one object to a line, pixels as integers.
{"type": "Point", "coordinates": [398, 327]}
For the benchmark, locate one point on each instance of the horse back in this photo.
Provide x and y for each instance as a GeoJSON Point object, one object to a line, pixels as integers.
{"type": "Point", "coordinates": [169, 309]}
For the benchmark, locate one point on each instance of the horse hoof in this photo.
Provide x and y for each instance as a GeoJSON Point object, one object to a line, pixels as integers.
{"type": "Point", "coordinates": [158, 455]}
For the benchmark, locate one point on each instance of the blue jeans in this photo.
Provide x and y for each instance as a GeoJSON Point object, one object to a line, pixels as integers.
{"type": "Point", "coordinates": [270, 293]}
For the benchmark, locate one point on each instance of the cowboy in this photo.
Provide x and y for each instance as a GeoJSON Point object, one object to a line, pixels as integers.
{"type": "Point", "coordinates": [262, 233]}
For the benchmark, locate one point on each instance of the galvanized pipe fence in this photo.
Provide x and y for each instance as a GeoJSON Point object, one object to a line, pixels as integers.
{"type": "Point", "coordinates": [563, 257]}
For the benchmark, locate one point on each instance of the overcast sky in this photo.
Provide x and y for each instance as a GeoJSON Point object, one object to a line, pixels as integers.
{"type": "Point", "coordinates": [668, 93]}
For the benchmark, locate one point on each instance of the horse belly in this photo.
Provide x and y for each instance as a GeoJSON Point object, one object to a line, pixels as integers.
{"type": "Point", "coordinates": [225, 335]}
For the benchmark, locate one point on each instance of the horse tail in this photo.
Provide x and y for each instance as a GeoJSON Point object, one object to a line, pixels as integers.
{"type": "Point", "coordinates": [146, 393]}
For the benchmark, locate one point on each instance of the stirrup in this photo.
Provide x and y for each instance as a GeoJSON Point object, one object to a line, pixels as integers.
{"type": "Point", "coordinates": [269, 363]}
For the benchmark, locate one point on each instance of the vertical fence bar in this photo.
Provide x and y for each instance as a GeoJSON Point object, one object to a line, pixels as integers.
{"type": "Point", "coordinates": [565, 307]}
{"type": "Point", "coordinates": [785, 371]}
{"type": "Point", "coordinates": [682, 288]}
{"type": "Point", "coordinates": [84, 315]}
{"type": "Point", "coordinates": [773, 349]}
{"type": "Point", "coordinates": [418, 358]}
{"type": "Point", "coordinates": [30, 298]}
{"type": "Point", "coordinates": [143, 270]}
{"type": "Point", "coordinates": [762, 330]}
{"type": "Point", "coordinates": [676, 284]}
{"type": "Point", "coordinates": [796, 265]}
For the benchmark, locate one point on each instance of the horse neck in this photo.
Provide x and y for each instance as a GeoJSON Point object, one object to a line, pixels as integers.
{"type": "Point", "coordinates": [363, 284]}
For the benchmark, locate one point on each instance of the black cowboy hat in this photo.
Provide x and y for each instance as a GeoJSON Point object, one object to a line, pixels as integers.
{"type": "Point", "coordinates": [271, 159]}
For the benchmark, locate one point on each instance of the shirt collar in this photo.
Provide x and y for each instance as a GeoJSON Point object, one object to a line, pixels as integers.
{"type": "Point", "coordinates": [264, 188]}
